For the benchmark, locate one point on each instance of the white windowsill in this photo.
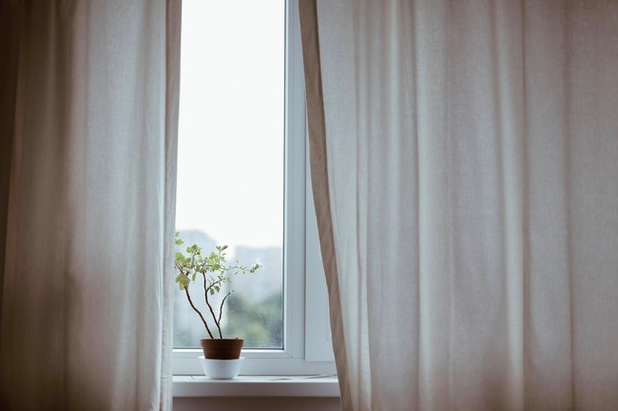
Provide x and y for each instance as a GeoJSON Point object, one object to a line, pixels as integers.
{"type": "Point", "coordinates": [256, 386]}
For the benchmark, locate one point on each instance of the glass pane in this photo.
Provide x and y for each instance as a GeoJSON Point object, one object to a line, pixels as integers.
{"type": "Point", "coordinates": [230, 161]}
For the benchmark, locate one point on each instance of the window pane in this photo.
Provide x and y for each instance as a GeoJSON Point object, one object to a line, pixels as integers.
{"type": "Point", "coordinates": [230, 160]}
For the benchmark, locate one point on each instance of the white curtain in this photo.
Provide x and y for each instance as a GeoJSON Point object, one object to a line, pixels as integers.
{"type": "Point", "coordinates": [89, 118]}
{"type": "Point", "coordinates": [465, 169]}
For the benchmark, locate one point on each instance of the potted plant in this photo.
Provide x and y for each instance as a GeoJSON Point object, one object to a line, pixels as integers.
{"type": "Point", "coordinates": [220, 354]}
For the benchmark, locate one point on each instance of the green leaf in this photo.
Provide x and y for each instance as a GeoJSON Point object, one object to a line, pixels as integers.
{"type": "Point", "coordinates": [182, 280]}
{"type": "Point", "coordinates": [177, 239]}
{"type": "Point", "coordinates": [255, 267]}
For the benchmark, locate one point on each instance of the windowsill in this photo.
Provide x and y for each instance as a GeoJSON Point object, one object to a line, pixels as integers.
{"type": "Point", "coordinates": [256, 386]}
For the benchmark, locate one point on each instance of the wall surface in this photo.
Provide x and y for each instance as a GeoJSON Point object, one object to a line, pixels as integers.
{"type": "Point", "coordinates": [257, 404]}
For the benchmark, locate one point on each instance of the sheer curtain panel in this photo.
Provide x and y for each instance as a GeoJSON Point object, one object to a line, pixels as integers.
{"type": "Point", "coordinates": [87, 176]}
{"type": "Point", "coordinates": [465, 171]}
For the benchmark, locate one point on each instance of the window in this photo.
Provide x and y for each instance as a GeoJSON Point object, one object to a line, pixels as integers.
{"type": "Point", "coordinates": [231, 160]}
{"type": "Point", "coordinates": [243, 181]}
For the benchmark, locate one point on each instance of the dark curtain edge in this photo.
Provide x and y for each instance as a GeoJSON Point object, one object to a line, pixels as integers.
{"type": "Point", "coordinates": [319, 179]}
{"type": "Point", "coordinates": [173, 17]}
{"type": "Point", "coordinates": [10, 20]}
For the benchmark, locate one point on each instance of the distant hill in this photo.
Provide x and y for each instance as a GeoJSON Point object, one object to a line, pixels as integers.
{"type": "Point", "coordinates": [198, 237]}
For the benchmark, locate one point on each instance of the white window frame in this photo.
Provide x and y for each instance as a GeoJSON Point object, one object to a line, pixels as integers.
{"type": "Point", "coordinates": [306, 333]}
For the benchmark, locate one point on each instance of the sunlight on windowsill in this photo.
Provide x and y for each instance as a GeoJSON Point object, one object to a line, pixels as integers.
{"type": "Point", "coordinates": [257, 386]}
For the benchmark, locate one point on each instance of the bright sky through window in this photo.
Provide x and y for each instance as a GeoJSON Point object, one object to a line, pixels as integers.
{"type": "Point", "coordinates": [230, 168]}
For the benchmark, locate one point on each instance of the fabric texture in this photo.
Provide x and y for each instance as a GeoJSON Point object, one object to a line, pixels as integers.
{"type": "Point", "coordinates": [464, 159]}
{"type": "Point", "coordinates": [89, 101]}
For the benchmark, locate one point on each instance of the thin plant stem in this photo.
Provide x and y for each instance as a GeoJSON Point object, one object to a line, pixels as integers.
{"type": "Point", "coordinates": [212, 311]}
{"type": "Point", "coordinates": [221, 306]}
{"type": "Point", "coordinates": [197, 311]}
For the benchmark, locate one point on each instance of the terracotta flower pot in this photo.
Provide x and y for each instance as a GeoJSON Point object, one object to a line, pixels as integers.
{"type": "Point", "coordinates": [222, 348]}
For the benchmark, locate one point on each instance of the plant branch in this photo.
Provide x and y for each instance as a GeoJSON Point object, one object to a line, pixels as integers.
{"type": "Point", "coordinates": [221, 306]}
{"type": "Point", "coordinates": [197, 311]}
{"type": "Point", "coordinates": [212, 312]}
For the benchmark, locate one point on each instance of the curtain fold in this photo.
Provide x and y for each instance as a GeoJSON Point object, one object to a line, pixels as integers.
{"type": "Point", "coordinates": [89, 138]}
{"type": "Point", "coordinates": [464, 169]}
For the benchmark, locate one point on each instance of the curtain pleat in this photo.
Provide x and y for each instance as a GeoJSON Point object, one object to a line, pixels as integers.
{"type": "Point", "coordinates": [89, 135]}
{"type": "Point", "coordinates": [464, 173]}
